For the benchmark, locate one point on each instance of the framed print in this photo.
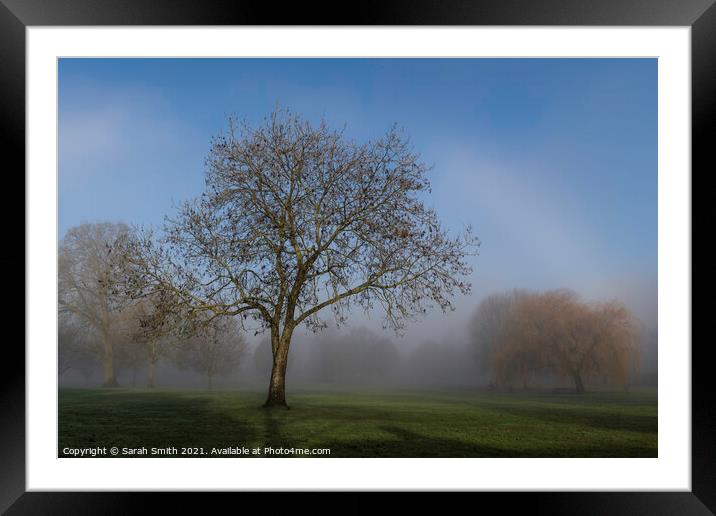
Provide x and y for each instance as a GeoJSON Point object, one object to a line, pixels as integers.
{"type": "Point", "coordinates": [431, 248]}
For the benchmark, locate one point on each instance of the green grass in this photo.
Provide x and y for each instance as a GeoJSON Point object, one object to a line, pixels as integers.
{"type": "Point", "coordinates": [367, 423]}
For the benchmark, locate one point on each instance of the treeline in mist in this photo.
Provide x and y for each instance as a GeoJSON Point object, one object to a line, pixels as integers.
{"type": "Point", "coordinates": [514, 340]}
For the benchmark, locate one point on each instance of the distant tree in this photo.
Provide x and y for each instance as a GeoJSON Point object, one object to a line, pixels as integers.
{"type": "Point", "coordinates": [217, 349]}
{"type": "Point", "coordinates": [296, 218]}
{"type": "Point", "coordinates": [88, 268]}
{"type": "Point", "coordinates": [130, 355]}
{"type": "Point", "coordinates": [555, 331]}
{"type": "Point", "coordinates": [489, 325]}
{"type": "Point", "coordinates": [521, 351]}
{"type": "Point", "coordinates": [610, 344]}
{"type": "Point", "coordinates": [151, 325]}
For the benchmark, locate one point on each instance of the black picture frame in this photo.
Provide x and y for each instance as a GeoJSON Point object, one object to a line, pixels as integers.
{"type": "Point", "coordinates": [16, 15]}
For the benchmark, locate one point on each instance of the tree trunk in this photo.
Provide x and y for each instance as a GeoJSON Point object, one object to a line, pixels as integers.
{"type": "Point", "coordinates": [277, 386]}
{"type": "Point", "coordinates": [579, 385]}
{"type": "Point", "coordinates": [110, 380]}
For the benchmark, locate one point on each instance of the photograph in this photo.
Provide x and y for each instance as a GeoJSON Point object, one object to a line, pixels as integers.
{"type": "Point", "coordinates": [357, 257]}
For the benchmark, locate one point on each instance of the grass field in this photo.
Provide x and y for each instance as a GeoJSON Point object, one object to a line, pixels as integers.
{"type": "Point", "coordinates": [366, 423]}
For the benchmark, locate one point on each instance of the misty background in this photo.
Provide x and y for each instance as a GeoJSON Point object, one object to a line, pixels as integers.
{"type": "Point", "coordinates": [552, 161]}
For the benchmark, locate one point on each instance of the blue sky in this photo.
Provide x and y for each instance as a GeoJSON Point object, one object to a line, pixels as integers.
{"type": "Point", "coordinates": [553, 161]}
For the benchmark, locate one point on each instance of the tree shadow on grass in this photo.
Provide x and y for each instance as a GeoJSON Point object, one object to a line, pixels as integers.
{"type": "Point", "coordinates": [407, 443]}
{"type": "Point", "coordinates": [135, 420]}
{"type": "Point", "coordinates": [273, 424]}
{"type": "Point", "coordinates": [403, 441]}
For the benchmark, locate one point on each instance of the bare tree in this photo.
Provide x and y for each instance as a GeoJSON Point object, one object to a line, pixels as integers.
{"type": "Point", "coordinates": [151, 325]}
{"type": "Point", "coordinates": [296, 218]}
{"type": "Point", "coordinates": [217, 349]}
{"type": "Point", "coordinates": [88, 267]}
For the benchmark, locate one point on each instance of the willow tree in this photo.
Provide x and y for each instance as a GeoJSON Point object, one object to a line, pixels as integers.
{"type": "Point", "coordinates": [296, 218]}
{"type": "Point", "coordinates": [555, 331]}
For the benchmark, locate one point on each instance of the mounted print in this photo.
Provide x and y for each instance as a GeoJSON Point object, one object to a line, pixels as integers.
{"type": "Point", "coordinates": [360, 258]}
